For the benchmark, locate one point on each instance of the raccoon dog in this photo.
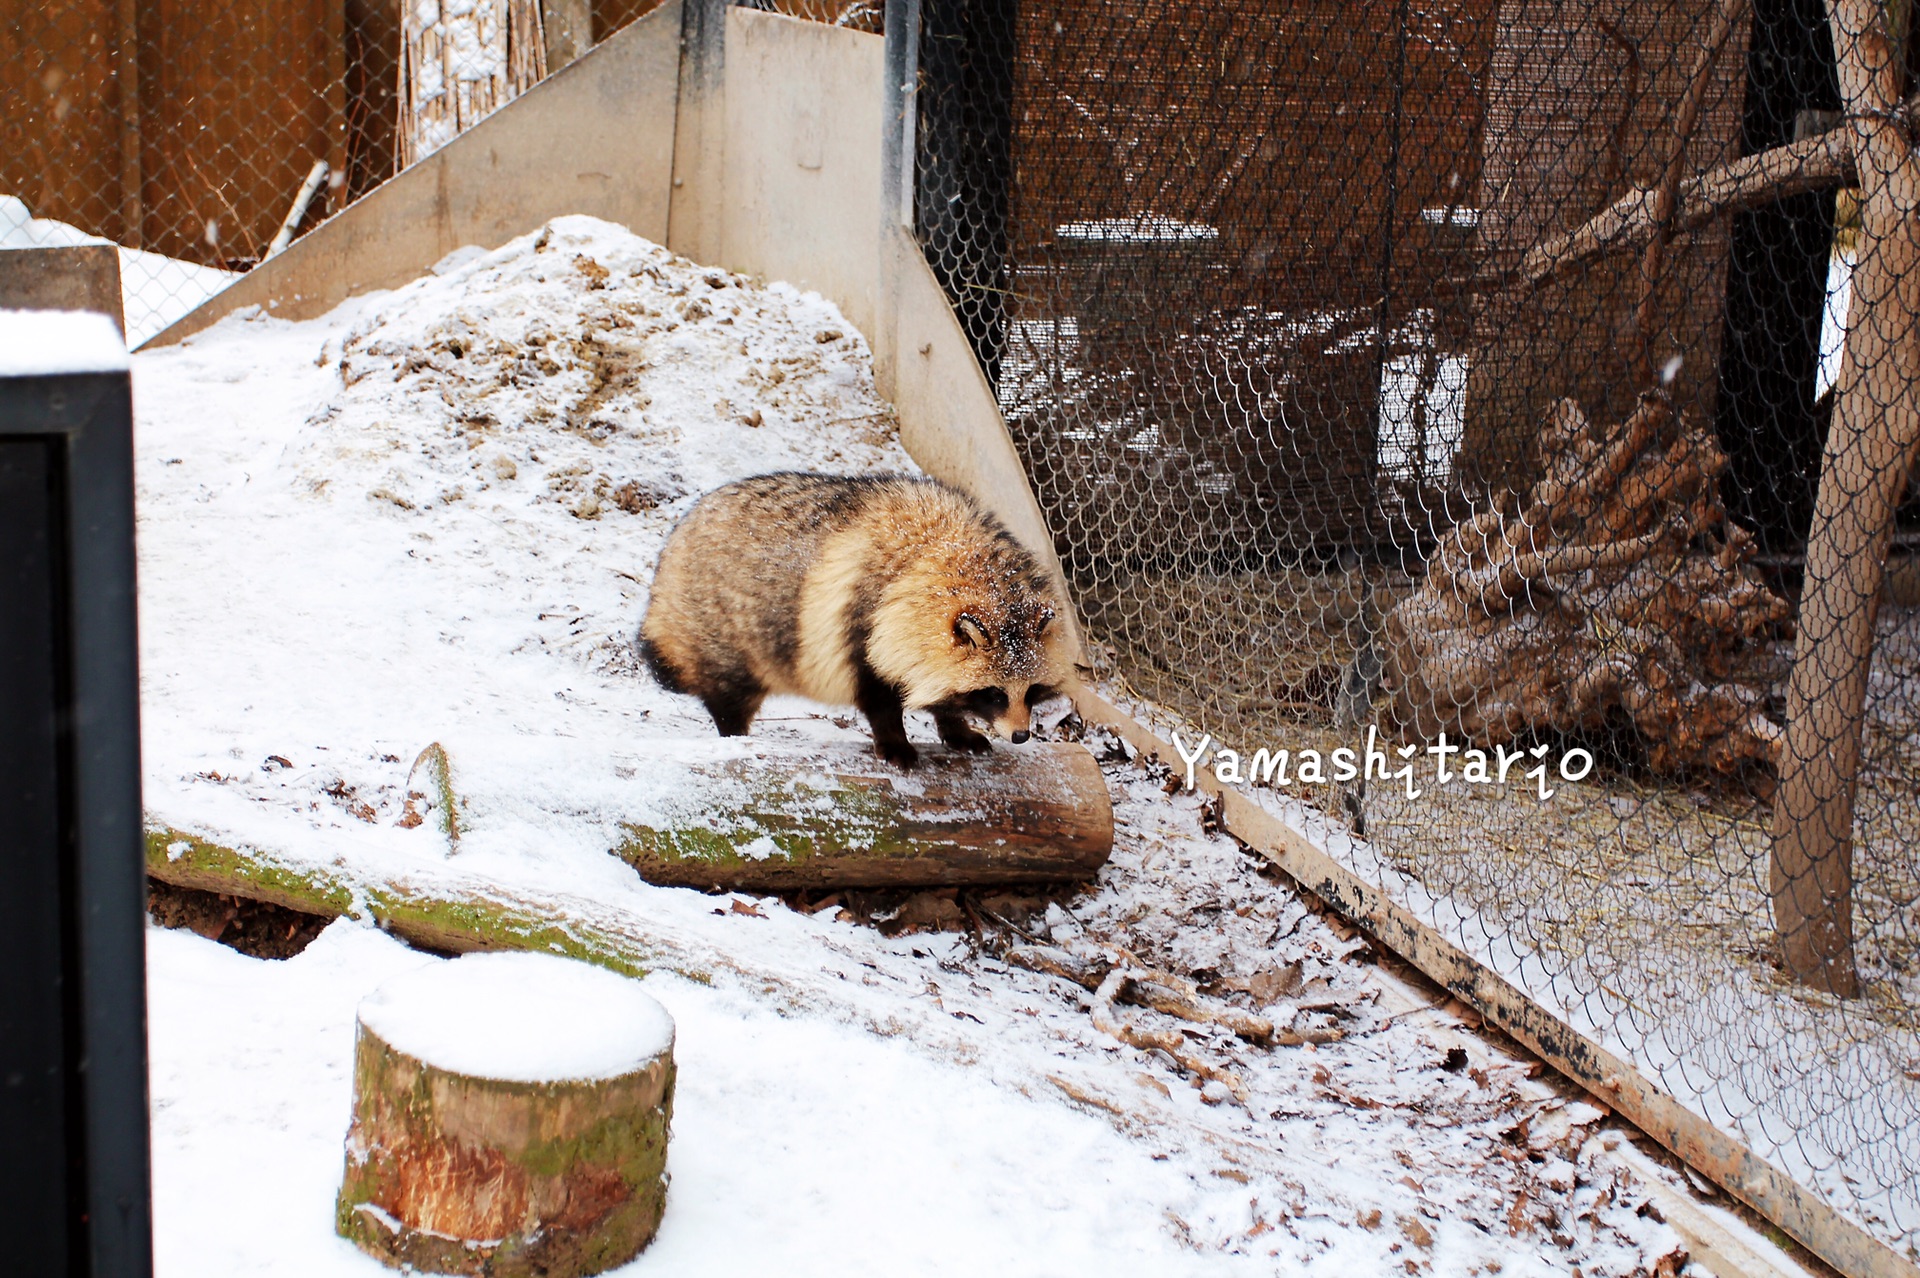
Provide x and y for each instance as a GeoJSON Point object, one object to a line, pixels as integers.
{"type": "Point", "coordinates": [885, 593]}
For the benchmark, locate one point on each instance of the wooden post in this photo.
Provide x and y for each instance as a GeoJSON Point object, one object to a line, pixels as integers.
{"type": "Point", "coordinates": [1870, 449]}
{"type": "Point", "coordinates": [126, 72]}
{"type": "Point", "coordinates": [568, 28]}
{"type": "Point", "coordinates": [510, 1118]}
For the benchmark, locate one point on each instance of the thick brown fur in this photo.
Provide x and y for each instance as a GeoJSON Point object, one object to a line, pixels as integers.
{"type": "Point", "coordinates": [886, 592]}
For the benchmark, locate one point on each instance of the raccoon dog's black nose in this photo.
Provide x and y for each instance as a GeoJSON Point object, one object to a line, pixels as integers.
{"type": "Point", "coordinates": [1021, 736]}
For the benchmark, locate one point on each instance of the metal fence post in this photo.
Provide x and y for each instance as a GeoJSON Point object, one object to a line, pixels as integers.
{"type": "Point", "coordinates": [73, 1079]}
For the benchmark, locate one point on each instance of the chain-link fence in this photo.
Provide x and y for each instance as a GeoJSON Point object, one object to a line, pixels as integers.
{"type": "Point", "coordinates": [1457, 373]}
{"type": "Point", "coordinates": [202, 137]}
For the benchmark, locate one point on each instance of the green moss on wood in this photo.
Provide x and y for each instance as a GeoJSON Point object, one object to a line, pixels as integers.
{"type": "Point", "coordinates": [768, 824]}
{"type": "Point", "coordinates": [587, 1158]}
{"type": "Point", "coordinates": [441, 920]}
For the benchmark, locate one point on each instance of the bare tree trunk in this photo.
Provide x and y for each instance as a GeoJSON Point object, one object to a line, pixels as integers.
{"type": "Point", "coordinates": [1870, 449]}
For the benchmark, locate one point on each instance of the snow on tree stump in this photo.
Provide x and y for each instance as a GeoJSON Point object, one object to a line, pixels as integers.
{"type": "Point", "coordinates": [510, 1118]}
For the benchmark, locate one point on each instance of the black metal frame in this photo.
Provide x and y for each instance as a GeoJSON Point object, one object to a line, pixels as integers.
{"type": "Point", "coordinates": [75, 432]}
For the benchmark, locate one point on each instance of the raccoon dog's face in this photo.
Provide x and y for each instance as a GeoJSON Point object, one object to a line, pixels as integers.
{"type": "Point", "coordinates": [1003, 665]}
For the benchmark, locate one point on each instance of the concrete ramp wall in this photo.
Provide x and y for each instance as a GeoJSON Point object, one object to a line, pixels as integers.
{"type": "Point", "coordinates": [765, 144]}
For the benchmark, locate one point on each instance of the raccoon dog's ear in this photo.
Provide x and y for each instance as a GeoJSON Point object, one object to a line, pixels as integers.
{"type": "Point", "coordinates": [968, 630]}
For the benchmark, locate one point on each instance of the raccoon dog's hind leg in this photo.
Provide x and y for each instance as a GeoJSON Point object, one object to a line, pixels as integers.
{"type": "Point", "coordinates": [732, 697]}
{"type": "Point", "coordinates": [656, 662]}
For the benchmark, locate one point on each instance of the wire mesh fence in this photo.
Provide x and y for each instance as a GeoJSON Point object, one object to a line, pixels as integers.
{"type": "Point", "coordinates": [1531, 390]}
{"type": "Point", "coordinates": [203, 137]}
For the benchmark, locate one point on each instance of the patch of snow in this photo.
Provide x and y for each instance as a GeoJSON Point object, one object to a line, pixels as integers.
{"type": "Point", "coordinates": [155, 290]}
{"type": "Point", "coordinates": [1422, 421]}
{"type": "Point", "coordinates": [251, 1082]}
{"type": "Point", "coordinates": [1833, 321]}
{"type": "Point", "coordinates": [1141, 228]}
{"type": "Point", "coordinates": [44, 343]}
{"type": "Point", "coordinates": [529, 1018]}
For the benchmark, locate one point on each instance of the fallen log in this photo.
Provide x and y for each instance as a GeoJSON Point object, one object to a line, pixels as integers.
{"type": "Point", "coordinates": [776, 817]}
{"type": "Point", "coordinates": [746, 814]}
{"type": "Point", "coordinates": [510, 1118]}
{"type": "Point", "coordinates": [455, 915]}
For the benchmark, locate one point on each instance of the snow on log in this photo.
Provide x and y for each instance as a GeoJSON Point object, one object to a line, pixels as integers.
{"type": "Point", "coordinates": [510, 1118]}
{"type": "Point", "coordinates": [781, 816]}
{"type": "Point", "coordinates": [1617, 585]}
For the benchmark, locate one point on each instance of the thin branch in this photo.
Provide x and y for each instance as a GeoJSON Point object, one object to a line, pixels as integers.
{"type": "Point", "coordinates": [1752, 181]}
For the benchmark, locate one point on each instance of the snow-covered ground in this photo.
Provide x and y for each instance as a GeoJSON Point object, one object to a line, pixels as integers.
{"type": "Point", "coordinates": [431, 515]}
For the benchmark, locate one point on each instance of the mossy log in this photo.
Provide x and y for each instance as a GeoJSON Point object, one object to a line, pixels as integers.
{"type": "Point", "coordinates": [510, 1118]}
{"type": "Point", "coordinates": [454, 916]}
{"type": "Point", "coordinates": [808, 816]}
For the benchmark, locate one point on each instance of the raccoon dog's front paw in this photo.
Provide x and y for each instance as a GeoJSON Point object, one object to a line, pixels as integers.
{"type": "Point", "coordinates": [959, 736]}
{"type": "Point", "coordinates": [900, 754]}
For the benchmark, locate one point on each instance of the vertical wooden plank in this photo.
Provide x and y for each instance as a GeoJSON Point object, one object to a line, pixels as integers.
{"type": "Point", "coordinates": [59, 125]}
{"type": "Point", "coordinates": [237, 103]}
{"type": "Point", "coordinates": [372, 105]}
{"type": "Point", "coordinates": [334, 37]}
{"type": "Point", "coordinates": [126, 73]}
{"type": "Point", "coordinates": [568, 25]}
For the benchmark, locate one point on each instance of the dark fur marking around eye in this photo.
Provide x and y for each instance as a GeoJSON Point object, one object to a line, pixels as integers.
{"type": "Point", "coordinates": [987, 700]}
{"type": "Point", "coordinates": [1036, 693]}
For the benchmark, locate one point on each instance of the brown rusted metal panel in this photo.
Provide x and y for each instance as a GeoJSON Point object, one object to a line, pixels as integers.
{"type": "Point", "coordinates": [126, 70]}
{"type": "Point", "coordinates": [1580, 102]}
{"type": "Point", "coordinates": [610, 15]}
{"type": "Point", "coordinates": [60, 132]}
{"type": "Point", "coordinates": [372, 104]}
{"type": "Point", "coordinates": [1307, 138]}
{"type": "Point", "coordinates": [237, 102]}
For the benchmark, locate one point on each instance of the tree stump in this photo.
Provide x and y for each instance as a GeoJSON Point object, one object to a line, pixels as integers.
{"type": "Point", "coordinates": [510, 1118]}
{"type": "Point", "coordinates": [775, 817]}
{"type": "Point", "coordinates": [1616, 585]}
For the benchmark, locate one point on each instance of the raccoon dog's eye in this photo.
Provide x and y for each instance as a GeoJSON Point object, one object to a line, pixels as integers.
{"type": "Point", "coordinates": [988, 700]}
{"type": "Point", "coordinates": [1036, 693]}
